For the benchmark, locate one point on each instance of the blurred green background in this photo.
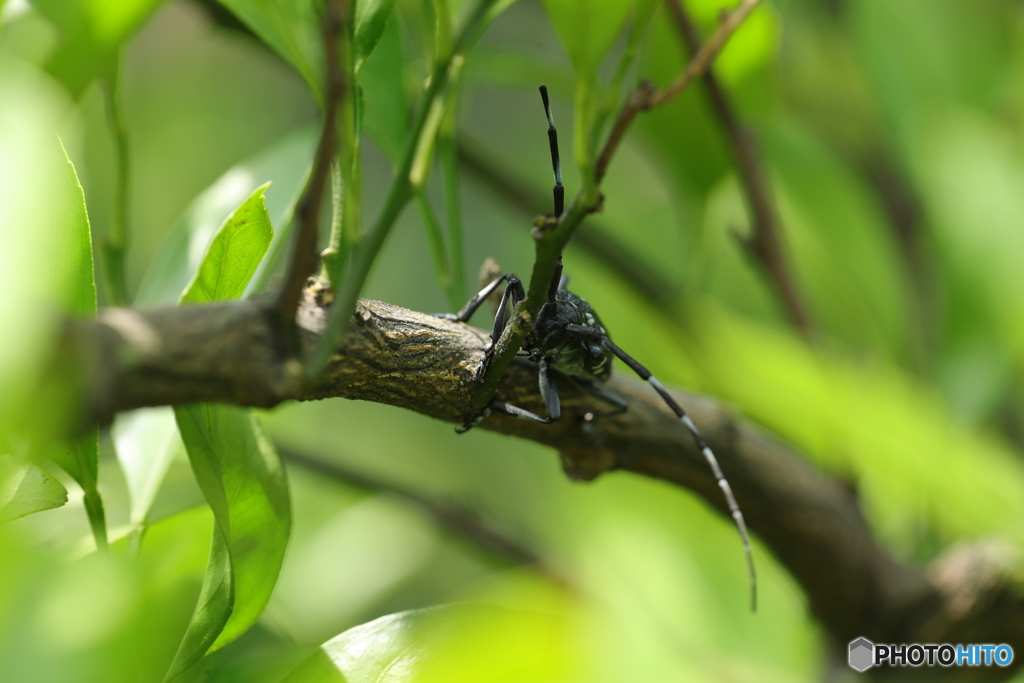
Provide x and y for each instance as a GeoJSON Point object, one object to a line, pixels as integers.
{"type": "Point", "coordinates": [892, 136]}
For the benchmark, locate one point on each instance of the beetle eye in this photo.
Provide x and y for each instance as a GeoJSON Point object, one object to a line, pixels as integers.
{"type": "Point", "coordinates": [596, 350]}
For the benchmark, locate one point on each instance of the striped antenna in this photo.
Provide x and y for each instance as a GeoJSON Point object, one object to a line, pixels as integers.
{"type": "Point", "coordinates": [723, 483]}
{"type": "Point", "coordinates": [556, 164]}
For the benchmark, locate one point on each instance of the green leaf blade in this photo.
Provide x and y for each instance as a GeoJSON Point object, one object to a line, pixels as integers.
{"type": "Point", "coordinates": [92, 30]}
{"type": "Point", "coordinates": [291, 29]}
{"type": "Point", "coordinates": [146, 441]}
{"type": "Point", "coordinates": [73, 288]}
{"type": "Point", "coordinates": [234, 253]}
{"type": "Point", "coordinates": [213, 608]}
{"type": "Point", "coordinates": [235, 465]}
{"type": "Point", "coordinates": [370, 21]}
{"type": "Point", "coordinates": [26, 488]}
{"type": "Point", "coordinates": [450, 643]}
{"type": "Point", "coordinates": [244, 482]}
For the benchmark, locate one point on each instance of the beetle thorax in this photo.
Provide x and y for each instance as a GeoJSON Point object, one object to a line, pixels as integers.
{"type": "Point", "coordinates": [569, 353]}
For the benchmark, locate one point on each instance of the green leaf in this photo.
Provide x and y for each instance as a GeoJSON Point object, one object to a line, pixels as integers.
{"type": "Point", "coordinates": [244, 483]}
{"type": "Point", "coordinates": [92, 31]}
{"type": "Point", "coordinates": [371, 20]}
{"type": "Point", "coordinates": [176, 261]}
{"type": "Point", "coordinates": [31, 109]}
{"type": "Point", "coordinates": [236, 466]}
{"type": "Point", "coordinates": [74, 286]}
{"type": "Point", "coordinates": [213, 608]}
{"type": "Point", "coordinates": [146, 441]}
{"type": "Point", "coordinates": [233, 254]}
{"type": "Point", "coordinates": [292, 29]}
{"type": "Point", "coordinates": [452, 643]}
{"type": "Point", "coordinates": [382, 82]}
{"type": "Point", "coordinates": [26, 488]}
{"type": "Point", "coordinates": [74, 290]}
{"type": "Point", "coordinates": [587, 29]}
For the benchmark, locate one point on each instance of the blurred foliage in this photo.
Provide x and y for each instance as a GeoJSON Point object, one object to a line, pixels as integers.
{"type": "Point", "coordinates": [891, 134]}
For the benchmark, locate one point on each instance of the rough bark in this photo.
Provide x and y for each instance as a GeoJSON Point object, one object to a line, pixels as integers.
{"type": "Point", "coordinates": [809, 521]}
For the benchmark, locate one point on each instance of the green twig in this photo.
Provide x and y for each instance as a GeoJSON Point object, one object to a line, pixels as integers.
{"type": "Point", "coordinates": [334, 250]}
{"type": "Point", "coordinates": [304, 250]}
{"type": "Point", "coordinates": [438, 253]}
{"type": "Point", "coordinates": [554, 233]}
{"type": "Point", "coordinates": [115, 247]}
{"type": "Point", "coordinates": [347, 184]}
{"type": "Point", "coordinates": [409, 178]}
{"type": "Point", "coordinates": [97, 517]}
{"type": "Point", "coordinates": [448, 157]}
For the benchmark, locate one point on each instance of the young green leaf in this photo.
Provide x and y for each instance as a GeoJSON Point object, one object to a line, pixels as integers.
{"type": "Point", "coordinates": [74, 290]}
{"type": "Point", "coordinates": [177, 259]}
{"type": "Point", "coordinates": [26, 488]}
{"type": "Point", "coordinates": [453, 643]}
{"type": "Point", "coordinates": [371, 20]}
{"type": "Point", "coordinates": [212, 610]}
{"type": "Point", "coordinates": [291, 29]}
{"type": "Point", "coordinates": [233, 254]}
{"type": "Point", "coordinates": [244, 482]}
{"type": "Point", "coordinates": [234, 463]}
{"type": "Point", "coordinates": [91, 31]}
{"type": "Point", "coordinates": [587, 29]}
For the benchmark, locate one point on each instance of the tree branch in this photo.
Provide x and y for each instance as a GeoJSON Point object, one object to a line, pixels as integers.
{"type": "Point", "coordinates": [304, 258]}
{"type": "Point", "coordinates": [647, 96]}
{"type": "Point", "coordinates": [811, 523]}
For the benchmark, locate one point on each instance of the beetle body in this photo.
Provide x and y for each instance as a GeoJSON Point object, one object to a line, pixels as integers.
{"type": "Point", "coordinates": [568, 352]}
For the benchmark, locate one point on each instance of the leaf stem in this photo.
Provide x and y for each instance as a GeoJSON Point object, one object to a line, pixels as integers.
{"type": "Point", "coordinates": [116, 245]}
{"type": "Point", "coordinates": [438, 253]}
{"type": "Point", "coordinates": [97, 518]}
{"type": "Point", "coordinates": [448, 157]}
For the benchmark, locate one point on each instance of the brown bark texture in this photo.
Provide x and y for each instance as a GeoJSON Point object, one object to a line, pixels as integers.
{"type": "Point", "coordinates": [811, 522]}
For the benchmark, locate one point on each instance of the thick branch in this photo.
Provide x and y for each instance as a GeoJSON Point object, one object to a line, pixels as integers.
{"type": "Point", "coordinates": [412, 360]}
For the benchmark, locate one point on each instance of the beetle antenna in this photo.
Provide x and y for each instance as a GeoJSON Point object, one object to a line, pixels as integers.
{"type": "Point", "coordinates": [558, 191]}
{"type": "Point", "coordinates": [702, 446]}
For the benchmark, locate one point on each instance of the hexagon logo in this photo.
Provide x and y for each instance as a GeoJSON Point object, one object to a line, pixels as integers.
{"type": "Point", "coordinates": [862, 654]}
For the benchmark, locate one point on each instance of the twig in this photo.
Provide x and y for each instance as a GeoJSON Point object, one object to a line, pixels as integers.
{"type": "Point", "coordinates": [766, 241]}
{"type": "Point", "coordinates": [647, 97]}
{"type": "Point", "coordinates": [402, 189]}
{"type": "Point", "coordinates": [115, 247]}
{"type": "Point", "coordinates": [448, 161]}
{"type": "Point", "coordinates": [458, 519]}
{"type": "Point", "coordinates": [307, 215]}
{"type": "Point", "coordinates": [811, 523]}
{"type": "Point", "coordinates": [552, 236]}
{"type": "Point", "coordinates": [601, 243]}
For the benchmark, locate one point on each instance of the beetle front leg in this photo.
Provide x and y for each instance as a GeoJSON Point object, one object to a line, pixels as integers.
{"type": "Point", "coordinates": [513, 294]}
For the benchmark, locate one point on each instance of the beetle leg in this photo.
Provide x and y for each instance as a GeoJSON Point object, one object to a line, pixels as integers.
{"type": "Point", "coordinates": [548, 391]}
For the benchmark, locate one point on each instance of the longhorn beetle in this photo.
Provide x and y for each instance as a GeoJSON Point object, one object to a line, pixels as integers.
{"type": "Point", "coordinates": [568, 339]}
